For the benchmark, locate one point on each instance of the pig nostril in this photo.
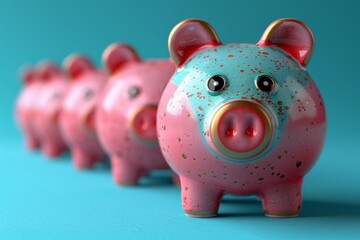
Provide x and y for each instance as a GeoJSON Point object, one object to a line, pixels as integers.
{"type": "Point", "coordinates": [251, 132]}
{"type": "Point", "coordinates": [231, 132]}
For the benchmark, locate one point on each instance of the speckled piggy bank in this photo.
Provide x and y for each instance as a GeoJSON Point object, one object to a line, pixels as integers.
{"type": "Point", "coordinates": [47, 109]}
{"type": "Point", "coordinates": [77, 118]}
{"type": "Point", "coordinates": [241, 118]}
{"type": "Point", "coordinates": [126, 114]}
{"type": "Point", "coordinates": [25, 107]}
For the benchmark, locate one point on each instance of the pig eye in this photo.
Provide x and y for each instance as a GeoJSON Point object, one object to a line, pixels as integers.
{"type": "Point", "coordinates": [133, 92]}
{"type": "Point", "coordinates": [88, 93]}
{"type": "Point", "coordinates": [216, 83]}
{"type": "Point", "coordinates": [265, 83]}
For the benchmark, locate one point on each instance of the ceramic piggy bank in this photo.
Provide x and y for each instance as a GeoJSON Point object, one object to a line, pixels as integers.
{"type": "Point", "coordinates": [25, 107]}
{"type": "Point", "coordinates": [47, 109]}
{"type": "Point", "coordinates": [126, 113]}
{"type": "Point", "coordinates": [241, 118]}
{"type": "Point", "coordinates": [77, 117]}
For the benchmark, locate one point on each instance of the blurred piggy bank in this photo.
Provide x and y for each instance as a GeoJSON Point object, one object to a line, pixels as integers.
{"type": "Point", "coordinates": [25, 107]}
{"type": "Point", "coordinates": [77, 117]}
{"type": "Point", "coordinates": [241, 118]}
{"type": "Point", "coordinates": [47, 109]}
{"type": "Point", "coordinates": [126, 113]}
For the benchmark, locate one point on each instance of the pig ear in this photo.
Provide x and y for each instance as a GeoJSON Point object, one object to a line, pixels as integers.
{"type": "Point", "coordinates": [189, 36]}
{"type": "Point", "coordinates": [28, 74]}
{"type": "Point", "coordinates": [117, 55]}
{"type": "Point", "coordinates": [48, 70]}
{"type": "Point", "coordinates": [292, 36]}
{"type": "Point", "coordinates": [77, 64]}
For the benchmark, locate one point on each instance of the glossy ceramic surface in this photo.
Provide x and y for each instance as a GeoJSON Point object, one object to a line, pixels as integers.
{"type": "Point", "coordinates": [126, 114]}
{"type": "Point", "coordinates": [241, 118]}
{"type": "Point", "coordinates": [77, 118]}
{"type": "Point", "coordinates": [47, 109]}
{"type": "Point", "coordinates": [25, 107]}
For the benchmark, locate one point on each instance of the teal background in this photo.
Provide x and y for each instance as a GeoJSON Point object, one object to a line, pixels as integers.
{"type": "Point", "coordinates": [42, 199]}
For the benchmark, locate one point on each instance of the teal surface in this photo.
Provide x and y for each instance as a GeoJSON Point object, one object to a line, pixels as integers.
{"type": "Point", "coordinates": [42, 199]}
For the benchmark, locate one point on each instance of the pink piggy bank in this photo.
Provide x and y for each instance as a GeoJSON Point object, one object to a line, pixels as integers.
{"type": "Point", "coordinates": [242, 119]}
{"type": "Point", "coordinates": [25, 107]}
{"type": "Point", "coordinates": [77, 118]}
{"type": "Point", "coordinates": [47, 109]}
{"type": "Point", "coordinates": [126, 113]}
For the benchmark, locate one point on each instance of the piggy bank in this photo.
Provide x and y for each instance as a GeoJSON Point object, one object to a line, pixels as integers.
{"type": "Point", "coordinates": [126, 113]}
{"type": "Point", "coordinates": [77, 117]}
{"type": "Point", "coordinates": [25, 107]}
{"type": "Point", "coordinates": [47, 109]}
{"type": "Point", "coordinates": [242, 119]}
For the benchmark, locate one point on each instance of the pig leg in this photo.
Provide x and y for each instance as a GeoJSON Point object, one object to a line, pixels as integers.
{"type": "Point", "coordinates": [199, 199]}
{"type": "Point", "coordinates": [83, 159]}
{"type": "Point", "coordinates": [124, 172]}
{"type": "Point", "coordinates": [176, 179]}
{"type": "Point", "coordinates": [32, 143]}
{"type": "Point", "coordinates": [283, 200]}
{"type": "Point", "coordinates": [51, 150]}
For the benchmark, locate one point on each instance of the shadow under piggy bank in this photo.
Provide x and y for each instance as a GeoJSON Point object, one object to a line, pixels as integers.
{"type": "Point", "coordinates": [330, 209]}
{"type": "Point", "coordinates": [157, 178]}
{"type": "Point", "coordinates": [251, 206]}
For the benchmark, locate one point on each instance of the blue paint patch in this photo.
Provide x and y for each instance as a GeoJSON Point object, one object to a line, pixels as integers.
{"type": "Point", "coordinates": [241, 65]}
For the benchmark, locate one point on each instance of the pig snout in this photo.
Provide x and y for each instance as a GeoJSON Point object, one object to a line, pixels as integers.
{"type": "Point", "coordinates": [241, 129]}
{"type": "Point", "coordinates": [144, 124]}
{"type": "Point", "coordinates": [54, 116]}
{"type": "Point", "coordinates": [88, 121]}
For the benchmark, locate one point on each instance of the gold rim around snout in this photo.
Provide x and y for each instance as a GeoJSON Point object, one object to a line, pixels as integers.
{"type": "Point", "coordinates": [132, 127]}
{"type": "Point", "coordinates": [240, 155]}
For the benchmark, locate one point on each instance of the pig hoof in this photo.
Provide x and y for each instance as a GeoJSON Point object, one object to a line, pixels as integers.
{"type": "Point", "coordinates": [83, 161]}
{"type": "Point", "coordinates": [125, 183]}
{"type": "Point", "coordinates": [200, 214]}
{"type": "Point", "coordinates": [121, 181]}
{"type": "Point", "coordinates": [52, 153]}
{"type": "Point", "coordinates": [84, 165]}
{"type": "Point", "coordinates": [281, 214]}
{"type": "Point", "coordinates": [32, 145]}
